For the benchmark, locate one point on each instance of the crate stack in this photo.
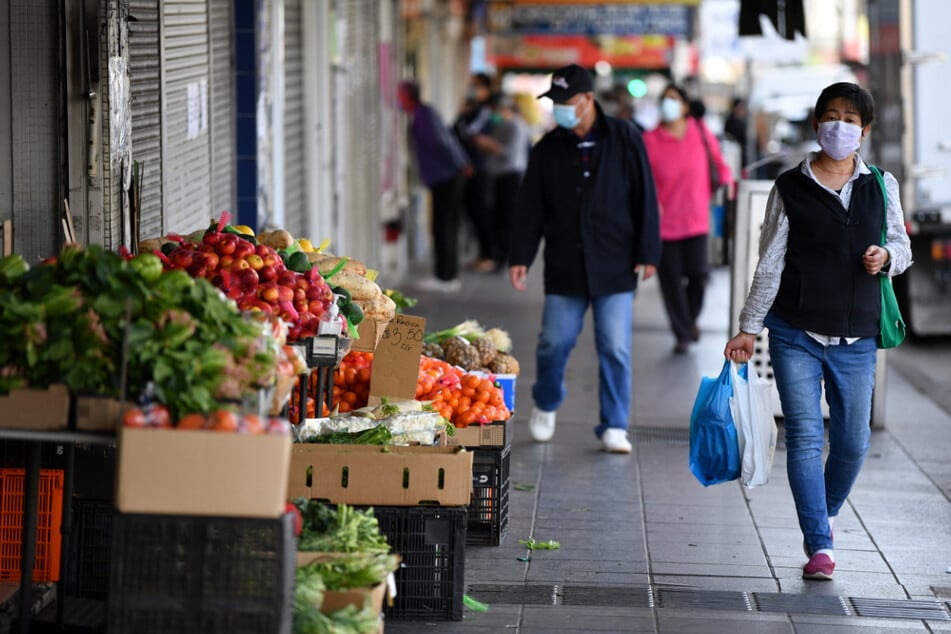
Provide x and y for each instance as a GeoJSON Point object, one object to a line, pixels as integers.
{"type": "Point", "coordinates": [201, 542]}
{"type": "Point", "coordinates": [491, 446]}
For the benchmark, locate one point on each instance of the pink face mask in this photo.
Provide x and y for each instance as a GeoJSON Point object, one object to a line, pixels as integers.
{"type": "Point", "coordinates": [839, 139]}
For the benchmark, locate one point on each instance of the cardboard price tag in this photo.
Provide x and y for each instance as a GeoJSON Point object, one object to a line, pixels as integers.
{"type": "Point", "coordinates": [396, 359]}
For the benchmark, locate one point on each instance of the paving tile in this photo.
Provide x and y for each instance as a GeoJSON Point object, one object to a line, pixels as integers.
{"type": "Point", "coordinates": [541, 619]}
{"type": "Point", "coordinates": [708, 621]}
{"type": "Point", "coordinates": [709, 570]}
{"type": "Point", "coordinates": [848, 624]}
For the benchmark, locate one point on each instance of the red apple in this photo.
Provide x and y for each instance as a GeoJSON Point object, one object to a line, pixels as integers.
{"type": "Point", "coordinates": [255, 261]}
{"type": "Point", "coordinates": [239, 265]}
{"type": "Point", "coordinates": [226, 246]}
{"type": "Point", "coordinates": [211, 260]}
{"type": "Point", "coordinates": [287, 278]}
{"type": "Point", "coordinates": [242, 248]}
{"type": "Point", "coordinates": [225, 261]}
{"type": "Point", "coordinates": [263, 249]}
{"type": "Point", "coordinates": [182, 258]}
{"type": "Point", "coordinates": [285, 294]}
{"type": "Point", "coordinates": [267, 273]}
{"type": "Point", "coordinates": [211, 239]}
{"type": "Point", "coordinates": [268, 293]}
{"type": "Point", "coordinates": [301, 305]}
{"type": "Point", "coordinates": [248, 279]}
{"type": "Point", "coordinates": [302, 282]}
{"type": "Point", "coordinates": [271, 259]}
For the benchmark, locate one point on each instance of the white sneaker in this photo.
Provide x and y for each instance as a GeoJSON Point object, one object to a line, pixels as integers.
{"type": "Point", "coordinates": [542, 425]}
{"type": "Point", "coordinates": [436, 285]}
{"type": "Point", "coordinates": [615, 440]}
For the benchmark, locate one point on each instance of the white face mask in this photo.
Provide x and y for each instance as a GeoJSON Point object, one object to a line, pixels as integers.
{"type": "Point", "coordinates": [670, 109]}
{"type": "Point", "coordinates": [839, 139]}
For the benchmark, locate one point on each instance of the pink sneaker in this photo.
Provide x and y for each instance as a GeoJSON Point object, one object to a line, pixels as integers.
{"type": "Point", "coordinates": [820, 566]}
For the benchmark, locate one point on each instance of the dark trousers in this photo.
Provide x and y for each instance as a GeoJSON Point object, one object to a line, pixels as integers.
{"type": "Point", "coordinates": [446, 201]}
{"type": "Point", "coordinates": [683, 274]}
{"type": "Point", "coordinates": [506, 189]}
{"type": "Point", "coordinates": [477, 207]}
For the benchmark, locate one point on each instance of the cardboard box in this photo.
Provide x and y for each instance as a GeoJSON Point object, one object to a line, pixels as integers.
{"type": "Point", "coordinates": [35, 409]}
{"type": "Point", "coordinates": [338, 599]}
{"type": "Point", "coordinates": [100, 413]}
{"type": "Point", "coordinates": [188, 472]}
{"type": "Point", "coordinates": [497, 434]}
{"type": "Point", "coordinates": [378, 476]}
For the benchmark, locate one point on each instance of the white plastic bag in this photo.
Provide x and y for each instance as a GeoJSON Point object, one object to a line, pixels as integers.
{"type": "Point", "coordinates": [752, 409]}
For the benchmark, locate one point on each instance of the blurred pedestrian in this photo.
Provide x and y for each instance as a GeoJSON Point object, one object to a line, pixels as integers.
{"type": "Point", "coordinates": [507, 148]}
{"type": "Point", "coordinates": [473, 120]}
{"type": "Point", "coordinates": [817, 288]}
{"type": "Point", "coordinates": [588, 192]}
{"type": "Point", "coordinates": [735, 127]}
{"type": "Point", "coordinates": [683, 154]}
{"type": "Point", "coordinates": [443, 167]}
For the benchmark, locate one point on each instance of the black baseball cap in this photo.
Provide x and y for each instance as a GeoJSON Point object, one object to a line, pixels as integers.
{"type": "Point", "coordinates": [568, 81]}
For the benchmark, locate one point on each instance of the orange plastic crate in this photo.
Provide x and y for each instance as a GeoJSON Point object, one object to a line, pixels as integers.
{"type": "Point", "coordinates": [49, 518]}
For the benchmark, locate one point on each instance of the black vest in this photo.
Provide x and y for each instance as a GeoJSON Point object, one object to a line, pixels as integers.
{"type": "Point", "coordinates": [824, 287]}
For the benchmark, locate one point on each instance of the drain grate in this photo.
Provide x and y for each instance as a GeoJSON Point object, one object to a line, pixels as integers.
{"type": "Point", "coordinates": [661, 435]}
{"type": "Point", "coordinates": [607, 596]}
{"type": "Point", "coordinates": [800, 604]}
{"type": "Point", "coordinates": [516, 594]}
{"type": "Point", "coordinates": [900, 609]}
{"type": "Point", "coordinates": [702, 599]}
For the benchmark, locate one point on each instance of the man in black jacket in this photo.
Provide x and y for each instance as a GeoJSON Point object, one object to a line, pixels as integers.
{"type": "Point", "coordinates": [589, 192]}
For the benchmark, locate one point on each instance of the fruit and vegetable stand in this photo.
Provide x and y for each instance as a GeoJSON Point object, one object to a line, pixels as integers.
{"type": "Point", "coordinates": [224, 331]}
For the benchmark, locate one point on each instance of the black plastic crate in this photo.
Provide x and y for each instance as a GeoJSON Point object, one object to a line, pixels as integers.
{"type": "Point", "coordinates": [489, 505]}
{"type": "Point", "coordinates": [432, 544]}
{"type": "Point", "coordinates": [206, 575]}
{"type": "Point", "coordinates": [90, 543]}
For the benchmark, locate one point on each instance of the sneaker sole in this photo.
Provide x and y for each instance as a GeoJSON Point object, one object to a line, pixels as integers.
{"type": "Point", "coordinates": [622, 450]}
{"type": "Point", "coordinates": [817, 576]}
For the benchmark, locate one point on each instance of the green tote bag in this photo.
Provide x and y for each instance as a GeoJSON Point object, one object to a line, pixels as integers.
{"type": "Point", "coordinates": [891, 325]}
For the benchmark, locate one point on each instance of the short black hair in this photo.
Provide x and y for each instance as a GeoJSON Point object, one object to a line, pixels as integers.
{"type": "Point", "coordinates": [482, 79]}
{"type": "Point", "coordinates": [854, 95]}
{"type": "Point", "coordinates": [679, 90]}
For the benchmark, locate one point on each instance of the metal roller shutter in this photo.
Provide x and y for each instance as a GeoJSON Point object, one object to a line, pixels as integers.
{"type": "Point", "coordinates": [146, 97]}
{"type": "Point", "coordinates": [221, 106]}
{"type": "Point", "coordinates": [187, 160]}
{"type": "Point", "coordinates": [295, 193]}
{"type": "Point", "coordinates": [362, 107]}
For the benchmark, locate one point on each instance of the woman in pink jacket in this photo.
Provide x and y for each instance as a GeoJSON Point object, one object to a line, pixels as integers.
{"type": "Point", "coordinates": [678, 159]}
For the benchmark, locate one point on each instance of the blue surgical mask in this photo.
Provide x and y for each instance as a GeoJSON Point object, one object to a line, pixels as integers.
{"type": "Point", "coordinates": [670, 109]}
{"type": "Point", "coordinates": [566, 116]}
{"type": "Point", "coordinates": [839, 139]}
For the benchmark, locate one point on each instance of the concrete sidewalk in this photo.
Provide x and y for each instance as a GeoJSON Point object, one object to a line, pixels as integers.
{"type": "Point", "coordinates": [646, 548]}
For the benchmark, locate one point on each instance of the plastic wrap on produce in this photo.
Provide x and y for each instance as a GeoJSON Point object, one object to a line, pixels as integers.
{"type": "Point", "coordinates": [406, 427]}
{"type": "Point", "coordinates": [415, 427]}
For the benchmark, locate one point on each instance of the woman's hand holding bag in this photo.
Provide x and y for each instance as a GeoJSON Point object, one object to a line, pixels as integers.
{"type": "Point", "coordinates": [714, 451]}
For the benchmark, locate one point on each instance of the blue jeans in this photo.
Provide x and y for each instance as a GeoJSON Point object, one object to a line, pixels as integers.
{"type": "Point", "coordinates": [800, 366]}
{"type": "Point", "coordinates": [562, 321]}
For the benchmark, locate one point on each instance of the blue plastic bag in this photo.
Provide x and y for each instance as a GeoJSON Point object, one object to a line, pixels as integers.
{"type": "Point", "coordinates": [714, 450]}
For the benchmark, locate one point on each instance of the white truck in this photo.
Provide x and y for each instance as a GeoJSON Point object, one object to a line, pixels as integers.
{"type": "Point", "coordinates": [909, 76]}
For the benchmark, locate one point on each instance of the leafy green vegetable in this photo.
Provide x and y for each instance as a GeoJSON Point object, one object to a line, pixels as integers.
{"type": "Point", "coordinates": [340, 530]}
{"type": "Point", "coordinates": [402, 302]}
{"type": "Point", "coordinates": [379, 435]}
{"type": "Point", "coordinates": [355, 570]}
{"type": "Point", "coordinates": [532, 544]}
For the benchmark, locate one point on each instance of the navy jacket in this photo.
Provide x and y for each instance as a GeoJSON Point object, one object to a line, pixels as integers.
{"type": "Point", "coordinates": [595, 230]}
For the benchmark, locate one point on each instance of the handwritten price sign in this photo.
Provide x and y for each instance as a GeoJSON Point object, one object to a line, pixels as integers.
{"type": "Point", "coordinates": [396, 359]}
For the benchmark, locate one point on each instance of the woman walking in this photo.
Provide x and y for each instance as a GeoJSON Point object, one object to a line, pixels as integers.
{"type": "Point", "coordinates": [816, 288]}
{"type": "Point", "coordinates": [682, 152]}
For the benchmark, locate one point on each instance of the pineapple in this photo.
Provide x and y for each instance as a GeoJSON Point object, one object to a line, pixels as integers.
{"type": "Point", "coordinates": [487, 350]}
{"type": "Point", "coordinates": [433, 350]}
{"type": "Point", "coordinates": [460, 352]}
{"type": "Point", "coordinates": [504, 363]}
